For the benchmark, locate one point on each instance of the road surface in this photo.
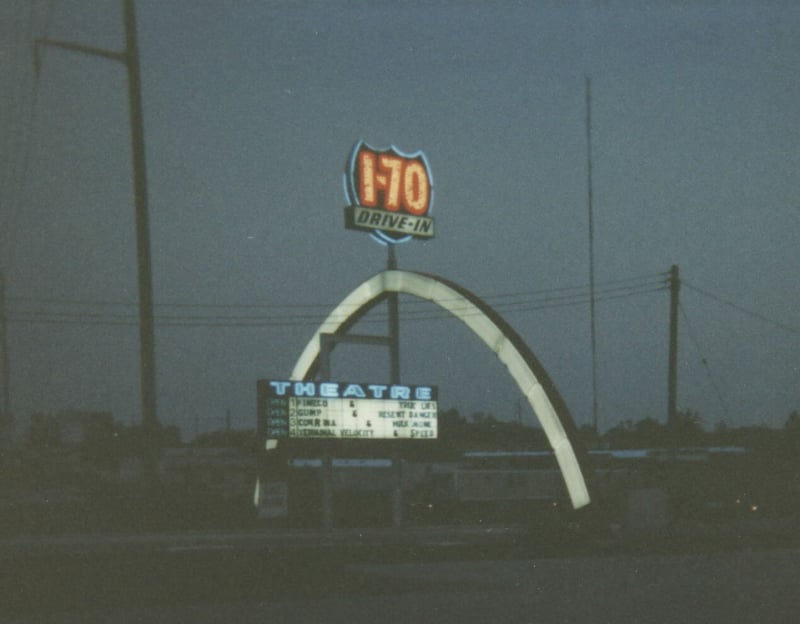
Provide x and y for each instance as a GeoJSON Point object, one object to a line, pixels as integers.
{"type": "Point", "coordinates": [219, 586]}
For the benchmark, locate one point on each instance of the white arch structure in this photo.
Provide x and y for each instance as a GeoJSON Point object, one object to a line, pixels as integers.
{"type": "Point", "coordinates": [499, 336]}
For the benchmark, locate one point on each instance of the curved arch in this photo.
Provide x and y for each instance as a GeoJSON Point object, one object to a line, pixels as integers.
{"type": "Point", "coordinates": [526, 370]}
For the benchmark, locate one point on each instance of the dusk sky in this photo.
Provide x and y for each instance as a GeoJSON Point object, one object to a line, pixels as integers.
{"type": "Point", "coordinates": [251, 109]}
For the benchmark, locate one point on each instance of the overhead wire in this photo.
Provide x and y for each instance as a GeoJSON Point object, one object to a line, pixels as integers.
{"type": "Point", "coordinates": [739, 308]}
{"type": "Point", "coordinates": [703, 360]}
{"type": "Point", "coordinates": [280, 315]}
{"type": "Point", "coordinates": [20, 142]}
{"type": "Point", "coordinates": [636, 281]}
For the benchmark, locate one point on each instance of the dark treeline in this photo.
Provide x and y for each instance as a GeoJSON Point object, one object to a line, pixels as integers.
{"type": "Point", "coordinates": [688, 431]}
{"type": "Point", "coordinates": [106, 442]}
{"type": "Point", "coordinates": [58, 480]}
{"type": "Point", "coordinates": [483, 431]}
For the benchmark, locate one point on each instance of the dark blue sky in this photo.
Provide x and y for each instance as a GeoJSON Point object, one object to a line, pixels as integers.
{"type": "Point", "coordinates": [250, 111]}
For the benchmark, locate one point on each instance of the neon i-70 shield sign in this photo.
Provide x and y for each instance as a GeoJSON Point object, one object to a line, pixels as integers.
{"type": "Point", "coordinates": [390, 193]}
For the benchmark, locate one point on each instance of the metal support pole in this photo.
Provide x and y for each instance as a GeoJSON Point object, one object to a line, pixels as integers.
{"type": "Point", "coordinates": [394, 324]}
{"type": "Point", "coordinates": [6, 420]}
{"type": "Point", "coordinates": [147, 340]}
{"type": "Point", "coordinates": [130, 58]}
{"type": "Point", "coordinates": [397, 491]}
{"type": "Point", "coordinates": [394, 372]}
{"type": "Point", "coordinates": [672, 380]}
{"type": "Point", "coordinates": [592, 316]}
{"type": "Point", "coordinates": [327, 491]}
{"type": "Point", "coordinates": [326, 342]}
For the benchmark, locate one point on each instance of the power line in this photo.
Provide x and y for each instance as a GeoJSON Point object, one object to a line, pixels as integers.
{"type": "Point", "coordinates": [20, 143]}
{"type": "Point", "coordinates": [704, 360]}
{"type": "Point", "coordinates": [640, 281]}
{"type": "Point", "coordinates": [743, 310]}
{"type": "Point", "coordinates": [506, 303]}
{"type": "Point", "coordinates": [633, 282]}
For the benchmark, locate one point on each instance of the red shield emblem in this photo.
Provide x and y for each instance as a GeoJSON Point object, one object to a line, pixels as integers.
{"type": "Point", "coordinates": [390, 193]}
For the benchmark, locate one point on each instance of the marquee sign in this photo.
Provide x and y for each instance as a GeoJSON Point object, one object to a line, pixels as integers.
{"type": "Point", "coordinates": [390, 193]}
{"type": "Point", "coordinates": [310, 409]}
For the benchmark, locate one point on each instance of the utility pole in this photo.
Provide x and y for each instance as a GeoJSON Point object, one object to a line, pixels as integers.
{"type": "Point", "coordinates": [6, 420]}
{"type": "Point", "coordinates": [672, 379]}
{"type": "Point", "coordinates": [129, 57]}
{"type": "Point", "coordinates": [589, 198]}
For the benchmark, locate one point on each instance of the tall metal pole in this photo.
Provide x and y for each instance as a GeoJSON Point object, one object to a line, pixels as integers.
{"type": "Point", "coordinates": [6, 421]}
{"type": "Point", "coordinates": [146, 331]}
{"type": "Point", "coordinates": [130, 58]}
{"type": "Point", "coordinates": [672, 379]}
{"type": "Point", "coordinates": [589, 191]}
{"type": "Point", "coordinates": [394, 356]}
{"type": "Point", "coordinates": [394, 324]}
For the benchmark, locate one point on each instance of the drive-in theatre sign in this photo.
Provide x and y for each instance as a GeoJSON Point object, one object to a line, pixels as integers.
{"type": "Point", "coordinates": [390, 193]}
{"type": "Point", "coordinates": [308, 409]}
